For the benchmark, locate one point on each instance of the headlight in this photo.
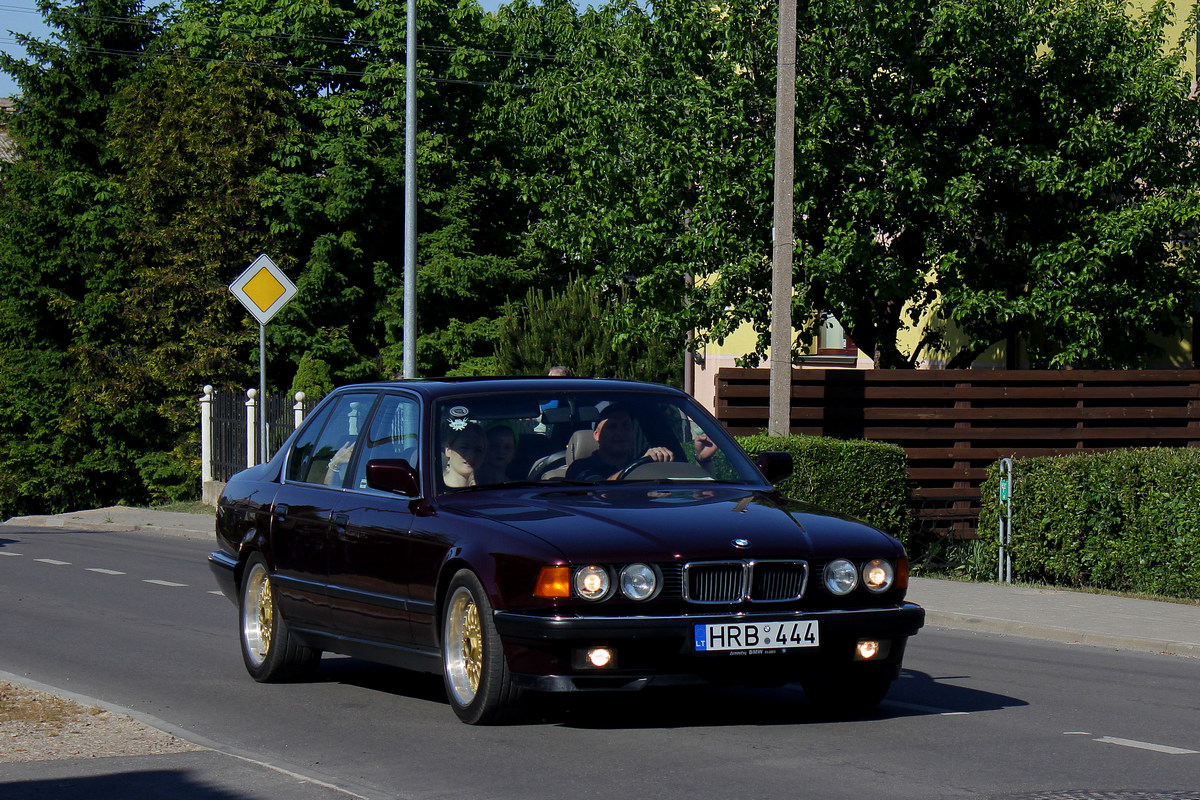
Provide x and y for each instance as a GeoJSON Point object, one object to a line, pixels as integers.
{"type": "Point", "coordinates": [592, 582]}
{"type": "Point", "coordinates": [878, 575]}
{"type": "Point", "coordinates": [840, 576]}
{"type": "Point", "coordinates": [639, 581]}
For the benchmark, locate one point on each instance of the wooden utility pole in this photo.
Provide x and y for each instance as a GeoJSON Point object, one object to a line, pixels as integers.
{"type": "Point", "coordinates": [780, 413]}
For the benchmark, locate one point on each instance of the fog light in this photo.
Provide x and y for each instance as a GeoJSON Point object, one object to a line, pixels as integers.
{"type": "Point", "coordinates": [600, 656]}
{"type": "Point", "coordinates": [871, 649]}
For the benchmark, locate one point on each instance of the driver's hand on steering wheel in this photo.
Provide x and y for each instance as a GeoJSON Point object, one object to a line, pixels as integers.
{"type": "Point", "coordinates": [659, 454]}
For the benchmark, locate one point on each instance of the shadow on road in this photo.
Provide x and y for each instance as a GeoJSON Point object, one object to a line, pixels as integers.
{"type": "Point", "coordinates": [204, 775]}
{"type": "Point", "coordinates": [915, 694]}
{"type": "Point", "coordinates": [918, 693]}
{"type": "Point", "coordinates": [381, 678]}
{"type": "Point", "coordinates": [145, 785]}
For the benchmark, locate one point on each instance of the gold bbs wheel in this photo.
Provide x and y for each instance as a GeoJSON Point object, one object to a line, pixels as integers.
{"type": "Point", "coordinates": [478, 683]}
{"type": "Point", "coordinates": [258, 615]}
{"type": "Point", "coordinates": [269, 650]}
{"type": "Point", "coordinates": [464, 646]}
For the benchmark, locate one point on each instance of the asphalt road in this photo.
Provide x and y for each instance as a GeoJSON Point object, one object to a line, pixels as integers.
{"type": "Point", "coordinates": [133, 619]}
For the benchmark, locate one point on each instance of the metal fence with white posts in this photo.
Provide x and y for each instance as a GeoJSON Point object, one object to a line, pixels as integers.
{"type": "Point", "coordinates": [229, 432]}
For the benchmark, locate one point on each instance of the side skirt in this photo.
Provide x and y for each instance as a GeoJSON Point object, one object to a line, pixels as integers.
{"type": "Point", "coordinates": [418, 660]}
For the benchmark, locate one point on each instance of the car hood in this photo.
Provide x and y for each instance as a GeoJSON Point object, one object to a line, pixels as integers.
{"type": "Point", "coordinates": [616, 523]}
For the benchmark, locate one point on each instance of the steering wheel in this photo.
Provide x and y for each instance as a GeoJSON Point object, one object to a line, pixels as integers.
{"type": "Point", "coordinates": [641, 462]}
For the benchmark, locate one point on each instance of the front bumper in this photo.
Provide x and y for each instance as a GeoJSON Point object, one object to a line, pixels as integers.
{"type": "Point", "coordinates": [545, 653]}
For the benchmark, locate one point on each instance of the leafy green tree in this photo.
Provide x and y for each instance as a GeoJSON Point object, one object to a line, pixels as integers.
{"type": "Point", "coordinates": [1019, 167]}
{"type": "Point", "coordinates": [1025, 167]}
{"type": "Point", "coordinates": [339, 207]}
{"type": "Point", "coordinates": [653, 124]}
{"type": "Point", "coordinates": [576, 328]}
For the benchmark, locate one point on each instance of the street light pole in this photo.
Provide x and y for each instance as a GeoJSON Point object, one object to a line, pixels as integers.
{"type": "Point", "coordinates": [410, 194]}
{"type": "Point", "coordinates": [783, 238]}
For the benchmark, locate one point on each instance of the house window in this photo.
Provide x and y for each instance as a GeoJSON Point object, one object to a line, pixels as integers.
{"type": "Point", "coordinates": [830, 335]}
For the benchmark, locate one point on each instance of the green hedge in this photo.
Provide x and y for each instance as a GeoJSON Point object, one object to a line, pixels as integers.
{"type": "Point", "coordinates": [866, 480]}
{"type": "Point", "coordinates": [1127, 520]}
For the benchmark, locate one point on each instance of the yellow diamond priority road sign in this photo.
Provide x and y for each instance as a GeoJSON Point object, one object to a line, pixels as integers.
{"type": "Point", "coordinates": [263, 289]}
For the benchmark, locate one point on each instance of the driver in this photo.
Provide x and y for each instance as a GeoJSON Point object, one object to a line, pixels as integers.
{"type": "Point", "coordinates": [614, 448]}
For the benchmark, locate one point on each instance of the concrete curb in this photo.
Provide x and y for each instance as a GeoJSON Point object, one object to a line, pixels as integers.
{"type": "Point", "coordinates": [120, 519]}
{"type": "Point", "coordinates": [973, 622]}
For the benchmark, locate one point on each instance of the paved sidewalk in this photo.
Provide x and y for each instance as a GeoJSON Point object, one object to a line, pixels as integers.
{"type": "Point", "coordinates": [124, 518]}
{"type": "Point", "coordinates": [1060, 615]}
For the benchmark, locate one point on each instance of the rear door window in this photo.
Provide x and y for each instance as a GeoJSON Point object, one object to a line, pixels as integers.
{"type": "Point", "coordinates": [323, 452]}
{"type": "Point", "coordinates": [393, 435]}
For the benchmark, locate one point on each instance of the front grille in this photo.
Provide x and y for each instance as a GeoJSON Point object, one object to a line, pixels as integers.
{"type": "Point", "coordinates": [776, 581]}
{"type": "Point", "coordinates": [741, 581]}
{"type": "Point", "coordinates": [720, 582]}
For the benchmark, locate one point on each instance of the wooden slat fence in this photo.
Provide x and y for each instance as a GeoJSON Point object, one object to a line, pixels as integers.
{"type": "Point", "coordinates": [954, 423]}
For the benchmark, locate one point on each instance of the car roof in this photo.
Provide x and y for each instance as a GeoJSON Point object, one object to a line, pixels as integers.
{"type": "Point", "coordinates": [439, 387]}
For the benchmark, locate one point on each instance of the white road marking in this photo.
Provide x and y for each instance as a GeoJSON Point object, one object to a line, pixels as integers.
{"type": "Point", "coordinates": [218, 593]}
{"type": "Point", "coordinates": [1158, 748]}
{"type": "Point", "coordinates": [54, 562]}
{"type": "Point", "coordinates": [104, 571]}
{"type": "Point", "coordinates": [166, 583]}
{"type": "Point", "coordinates": [945, 712]}
{"type": "Point", "coordinates": [8, 553]}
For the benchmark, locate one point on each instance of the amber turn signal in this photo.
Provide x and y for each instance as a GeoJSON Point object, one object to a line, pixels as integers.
{"type": "Point", "coordinates": [553, 582]}
{"type": "Point", "coordinates": [902, 573]}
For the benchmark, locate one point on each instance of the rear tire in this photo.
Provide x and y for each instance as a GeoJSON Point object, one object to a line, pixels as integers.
{"type": "Point", "coordinates": [475, 671]}
{"type": "Point", "coordinates": [270, 652]}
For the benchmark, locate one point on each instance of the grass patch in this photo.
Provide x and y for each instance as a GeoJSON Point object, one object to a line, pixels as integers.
{"type": "Point", "coordinates": [188, 507]}
{"type": "Point", "coordinates": [24, 705]}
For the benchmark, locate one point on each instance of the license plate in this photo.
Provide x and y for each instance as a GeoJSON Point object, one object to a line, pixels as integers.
{"type": "Point", "coordinates": [728, 636]}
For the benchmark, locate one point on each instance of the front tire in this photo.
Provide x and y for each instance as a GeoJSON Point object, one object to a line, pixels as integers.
{"type": "Point", "coordinates": [270, 652]}
{"type": "Point", "coordinates": [478, 683]}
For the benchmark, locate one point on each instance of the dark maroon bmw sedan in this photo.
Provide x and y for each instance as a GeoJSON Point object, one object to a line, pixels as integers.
{"type": "Point", "coordinates": [552, 535]}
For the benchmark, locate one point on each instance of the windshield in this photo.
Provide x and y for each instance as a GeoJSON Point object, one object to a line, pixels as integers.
{"type": "Point", "coordinates": [582, 437]}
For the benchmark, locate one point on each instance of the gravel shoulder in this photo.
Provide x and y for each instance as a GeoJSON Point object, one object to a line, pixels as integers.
{"type": "Point", "coordinates": [41, 726]}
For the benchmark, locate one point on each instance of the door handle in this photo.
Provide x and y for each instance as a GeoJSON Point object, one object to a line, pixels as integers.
{"type": "Point", "coordinates": [280, 511]}
{"type": "Point", "coordinates": [341, 527]}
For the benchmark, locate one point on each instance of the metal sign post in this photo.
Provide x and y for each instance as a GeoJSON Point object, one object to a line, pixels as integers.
{"type": "Point", "coordinates": [264, 290]}
{"type": "Point", "coordinates": [1006, 487]}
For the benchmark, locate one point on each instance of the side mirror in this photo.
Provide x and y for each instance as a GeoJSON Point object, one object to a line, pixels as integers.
{"type": "Point", "coordinates": [776, 465]}
{"type": "Point", "coordinates": [393, 475]}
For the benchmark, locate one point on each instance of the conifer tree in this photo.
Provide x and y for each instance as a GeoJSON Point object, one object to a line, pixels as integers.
{"type": "Point", "coordinates": [577, 328]}
{"type": "Point", "coordinates": [61, 263]}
